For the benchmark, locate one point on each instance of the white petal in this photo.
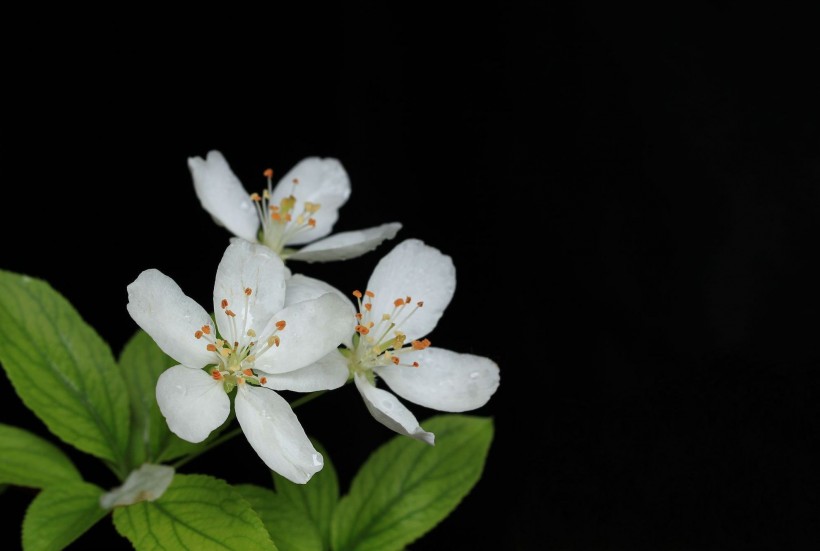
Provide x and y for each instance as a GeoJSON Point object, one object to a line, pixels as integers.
{"type": "Point", "coordinates": [444, 380]}
{"type": "Point", "coordinates": [413, 269]}
{"type": "Point", "coordinates": [160, 307]}
{"type": "Point", "coordinates": [313, 329]}
{"type": "Point", "coordinates": [321, 181]}
{"type": "Point", "coordinates": [146, 483]}
{"type": "Point", "coordinates": [329, 373]}
{"type": "Point", "coordinates": [193, 403]}
{"type": "Point", "coordinates": [301, 288]}
{"type": "Point", "coordinates": [222, 195]}
{"type": "Point", "coordinates": [351, 244]}
{"type": "Point", "coordinates": [275, 434]}
{"type": "Point", "coordinates": [247, 265]}
{"type": "Point", "coordinates": [391, 413]}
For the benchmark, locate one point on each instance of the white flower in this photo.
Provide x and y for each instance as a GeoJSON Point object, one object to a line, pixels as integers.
{"type": "Point", "coordinates": [261, 342]}
{"type": "Point", "coordinates": [300, 209]}
{"type": "Point", "coordinates": [406, 295]}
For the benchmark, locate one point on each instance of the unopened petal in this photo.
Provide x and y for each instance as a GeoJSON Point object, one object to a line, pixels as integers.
{"type": "Point", "coordinates": [193, 403]}
{"type": "Point", "coordinates": [172, 319]}
{"type": "Point", "coordinates": [444, 380]}
{"type": "Point", "coordinates": [345, 245]}
{"type": "Point", "coordinates": [251, 278]}
{"type": "Point", "coordinates": [329, 373]}
{"type": "Point", "coordinates": [275, 434]}
{"type": "Point", "coordinates": [391, 413]}
{"type": "Point", "coordinates": [313, 328]}
{"type": "Point", "coordinates": [321, 181]}
{"type": "Point", "coordinates": [420, 272]}
{"type": "Point", "coordinates": [223, 196]}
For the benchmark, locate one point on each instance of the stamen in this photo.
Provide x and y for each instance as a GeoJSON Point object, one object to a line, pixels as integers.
{"type": "Point", "coordinates": [280, 325]}
{"type": "Point", "coordinates": [415, 364]}
{"type": "Point", "coordinates": [358, 315]}
{"type": "Point", "coordinates": [312, 222]}
{"type": "Point", "coordinates": [395, 360]}
{"type": "Point", "coordinates": [198, 334]}
{"type": "Point", "coordinates": [398, 302]}
{"type": "Point", "coordinates": [420, 345]}
{"type": "Point", "coordinates": [407, 300]}
{"type": "Point", "coordinates": [225, 352]}
{"type": "Point", "coordinates": [268, 173]}
{"type": "Point", "coordinates": [362, 329]}
{"type": "Point", "coordinates": [296, 180]}
{"type": "Point", "coordinates": [263, 380]}
{"type": "Point", "coordinates": [251, 333]}
{"type": "Point", "coordinates": [206, 329]}
{"type": "Point", "coordinates": [370, 294]}
{"type": "Point", "coordinates": [230, 313]}
{"type": "Point", "coordinates": [420, 303]}
{"type": "Point", "coordinates": [248, 372]}
{"type": "Point", "coordinates": [224, 303]}
{"type": "Point", "coordinates": [255, 197]}
{"type": "Point", "coordinates": [210, 348]}
{"type": "Point", "coordinates": [368, 306]}
{"type": "Point", "coordinates": [357, 294]}
{"type": "Point", "coordinates": [216, 374]}
{"type": "Point", "coordinates": [248, 291]}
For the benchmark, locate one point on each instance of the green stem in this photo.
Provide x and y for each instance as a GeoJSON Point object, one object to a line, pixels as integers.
{"type": "Point", "coordinates": [238, 430]}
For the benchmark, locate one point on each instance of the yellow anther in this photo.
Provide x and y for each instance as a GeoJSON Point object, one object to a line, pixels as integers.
{"type": "Point", "coordinates": [251, 333]}
{"type": "Point", "coordinates": [385, 317]}
{"type": "Point", "coordinates": [225, 352]}
{"type": "Point", "coordinates": [250, 359]}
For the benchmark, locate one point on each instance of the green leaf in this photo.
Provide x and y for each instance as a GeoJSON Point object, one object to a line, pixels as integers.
{"type": "Point", "coordinates": [142, 362]}
{"type": "Point", "coordinates": [317, 499]}
{"type": "Point", "coordinates": [406, 487]}
{"type": "Point", "coordinates": [197, 513]}
{"type": "Point", "coordinates": [28, 460]}
{"type": "Point", "coordinates": [60, 514]}
{"type": "Point", "coordinates": [63, 371]}
{"type": "Point", "coordinates": [290, 528]}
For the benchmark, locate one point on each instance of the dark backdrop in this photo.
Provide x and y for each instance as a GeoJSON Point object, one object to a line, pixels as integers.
{"type": "Point", "coordinates": [630, 198]}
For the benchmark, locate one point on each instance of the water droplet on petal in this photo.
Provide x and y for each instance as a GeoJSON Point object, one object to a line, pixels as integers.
{"type": "Point", "coordinates": [318, 459]}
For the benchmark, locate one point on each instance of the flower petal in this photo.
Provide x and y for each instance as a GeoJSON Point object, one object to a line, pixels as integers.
{"type": "Point", "coordinates": [329, 373]}
{"type": "Point", "coordinates": [391, 413]}
{"type": "Point", "coordinates": [193, 403]}
{"type": "Point", "coordinates": [345, 245]}
{"type": "Point", "coordinates": [321, 181]}
{"type": "Point", "coordinates": [275, 434]}
{"type": "Point", "coordinates": [413, 269]}
{"type": "Point", "coordinates": [222, 195]}
{"type": "Point", "coordinates": [244, 266]}
{"type": "Point", "coordinates": [160, 307]}
{"type": "Point", "coordinates": [313, 329]}
{"type": "Point", "coordinates": [444, 380]}
{"type": "Point", "coordinates": [301, 288]}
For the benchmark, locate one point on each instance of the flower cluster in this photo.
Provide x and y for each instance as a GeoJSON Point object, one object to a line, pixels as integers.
{"type": "Point", "coordinates": [274, 330]}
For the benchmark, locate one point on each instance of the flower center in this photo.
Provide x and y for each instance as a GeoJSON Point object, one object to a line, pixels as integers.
{"type": "Point", "coordinates": [280, 222]}
{"type": "Point", "coordinates": [379, 340]}
{"type": "Point", "coordinates": [234, 355]}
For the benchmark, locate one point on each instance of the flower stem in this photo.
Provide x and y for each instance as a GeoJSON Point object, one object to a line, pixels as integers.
{"type": "Point", "coordinates": [238, 430]}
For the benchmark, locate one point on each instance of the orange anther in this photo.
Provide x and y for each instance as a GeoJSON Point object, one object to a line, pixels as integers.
{"type": "Point", "coordinates": [276, 340]}
{"type": "Point", "coordinates": [370, 294]}
{"type": "Point", "coordinates": [224, 303]}
{"type": "Point", "coordinates": [357, 294]}
{"type": "Point", "coordinates": [255, 197]}
{"type": "Point", "coordinates": [210, 348]}
{"type": "Point", "coordinates": [362, 329]}
{"type": "Point", "coordinates": [358, 315]}
{"type": "Point", "coordinates": [395, 360]}
{"type": "Point", "coordinates": [248, 372]}
{"type": "Point", "coordinates": [398, 302]}
{"type": "Point", "coordinates": [240, 381]}
{"type": "Point", "coordinates": [312, 222]}
{"type": "Point", "coordinates": [280, 325]}
{"type": "Point", "coordinates": [206, 329]}
{"type": "Point", "coordinates": [371, 324]}
{"type": "Point", "coordinates": [263, 380]}
{"type": "Point", "coordinates": [268, 173]}
{"type": "Point", "coordinates": [198, 334]}
{"type": "Point", "coordinates": [276, 217]}
{"type": "Point", "coordinates": [288, 217]}
{"type": "Point", "coordinates": [216, 375]}
{"type": "Point", "coordinates": [248, 291]}
{"type": "Point", "coordinates": [415, 364]}
{"type": "Point", "coordinates": [420, 303]}
{"type": "Point", "coordinates": [421, 345]}
{"type": "Point", "coordinates": [368, 306]}
{"type": "Point", "coordinates": [230, 313]}
{"type": "Point", "coordinates": [407, 300]}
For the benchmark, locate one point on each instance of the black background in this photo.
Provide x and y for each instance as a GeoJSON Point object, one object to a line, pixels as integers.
{"type": "Point", "coordinates": [630, 198]}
